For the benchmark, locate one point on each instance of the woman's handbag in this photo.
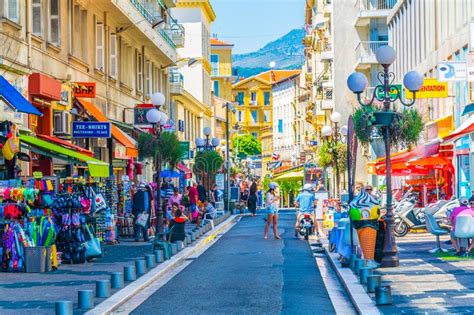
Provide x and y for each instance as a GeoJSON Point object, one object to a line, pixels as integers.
{"type": "Point", "coordinates": [142, 219]}
{"type": "Point", "coordinates": [93, 248]}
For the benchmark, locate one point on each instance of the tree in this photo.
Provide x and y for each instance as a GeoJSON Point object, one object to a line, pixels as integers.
{"type": "Point", "coordinates": [289, 188]}
{"type": "Point", "coordinates": [208, 162]}
{"type": "Point", "coordinates": [247, 144]}
{"type": "Point", "coordinates": [166, 147]}
{"type": "Point", "coordinates": [326, 157]}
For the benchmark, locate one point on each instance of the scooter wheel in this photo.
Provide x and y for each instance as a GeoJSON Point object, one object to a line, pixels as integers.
{"type": "Point", "coordinates": [401, 229]}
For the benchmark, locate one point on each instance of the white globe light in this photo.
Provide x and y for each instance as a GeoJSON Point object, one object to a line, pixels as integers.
{"type": "Point", "coordinates": [207, 131]}
{"type": "Point", "coordinates": [200, 142]}
{"type": "Point", "coordinates": [215, 142]}
{"type": "Point", "coordinates": [158, 99]}
{"type": "Point", "coordinates": [272, 64]}
{"type": "Point", "coordinates": [153, 116]}
{"type": "Point", "coordinates": [344, 130]}
{"type": "Point", "coordinates": [326, 131]}
{"type": "Point", "coordinates": [385, 55]}
{"type": "Point", "coordinates": [336, 117]}
{"type": "Point", "coordinates": [413, 81]}
{"type": "Point", "coordinates": [164, 118]}
{"type": "Point", "coordinates": [357, 82]}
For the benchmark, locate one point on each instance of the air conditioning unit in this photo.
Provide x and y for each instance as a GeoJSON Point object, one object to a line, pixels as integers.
{"type": "Point", "coordinates": [61, 123]}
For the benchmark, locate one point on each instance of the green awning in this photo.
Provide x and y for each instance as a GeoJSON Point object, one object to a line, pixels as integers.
{"type": "Point", "coordinates": [96, 167]}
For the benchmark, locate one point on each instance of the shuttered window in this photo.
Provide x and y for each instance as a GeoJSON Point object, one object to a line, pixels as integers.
{"type": "Point", "coordinates": [140, 72]}
{"type": "Point", "coordinates": [99, 46]}
{"type": "Point", "coordinates": [113, 55]}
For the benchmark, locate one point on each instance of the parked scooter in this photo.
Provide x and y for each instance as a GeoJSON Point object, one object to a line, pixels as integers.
{"type": "Point", "coordinates": [409, 217]}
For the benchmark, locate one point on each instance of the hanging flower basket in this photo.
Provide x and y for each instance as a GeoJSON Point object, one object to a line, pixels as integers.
{"type": "Point", "coordinates": [384, 119]}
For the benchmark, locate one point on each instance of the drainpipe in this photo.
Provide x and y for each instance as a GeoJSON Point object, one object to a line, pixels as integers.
{"type": "Point", "coordinates": [28, 32]}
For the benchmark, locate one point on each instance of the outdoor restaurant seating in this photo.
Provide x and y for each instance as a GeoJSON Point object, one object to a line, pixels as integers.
{"type": "Point", "coordinates": [433, 227]}
{"type": "Point", "coordinates": [464, 227]}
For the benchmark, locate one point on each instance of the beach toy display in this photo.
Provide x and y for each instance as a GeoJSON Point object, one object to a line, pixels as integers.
{"type": "Point", "coordinates": [364, 212]}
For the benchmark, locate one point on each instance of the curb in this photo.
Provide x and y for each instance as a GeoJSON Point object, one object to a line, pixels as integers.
{"type": "Point", "coordinates": [360, 299]}
{"type": "Point", "coordinates": [128, 292]}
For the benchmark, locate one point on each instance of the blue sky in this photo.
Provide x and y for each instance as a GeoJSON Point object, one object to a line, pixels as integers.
{"type": "Point", "coordinates": [250, 24]}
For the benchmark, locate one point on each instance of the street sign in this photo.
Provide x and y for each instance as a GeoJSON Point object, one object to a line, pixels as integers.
{"type": "Point", "coordinates": [220, 181]}
{"type": "Point", "coordinates": [431, 89]}
{"type": "Point", "coordinates": [392, 93]}
{"type": "Point", "coordinates": [451, 71]}
{"type": "Point", "coordinates": [89, 129]}
{"type": "Point", "coordinates": [185, 147]}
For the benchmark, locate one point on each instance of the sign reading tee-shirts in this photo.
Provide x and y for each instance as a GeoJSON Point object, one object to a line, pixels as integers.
{"type": "Point", "coordinates": [91, 129]}
{"type": "Point", "coordinates": [431, 89]}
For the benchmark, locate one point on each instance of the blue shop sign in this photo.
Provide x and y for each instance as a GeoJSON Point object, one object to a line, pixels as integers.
{"type": "Point", "coordinates": [89, 129]}
{"type": "Point", "coordinates": [462, 144]}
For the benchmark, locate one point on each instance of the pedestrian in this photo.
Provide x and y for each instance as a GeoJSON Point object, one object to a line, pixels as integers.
{"type": "Point", "coordinates": [178, 225]}
{"type": "Point", "coordinates": [271, 202]}
{"type": "Point", "coordinates": [253, 198]}
{"type": "Point", "coordinates": [193, 200]}
{"type": "Point", "coordinates": [175, 198]}
{"type": "Point", "coordinates": [214, 195]}
{"type": "Point", "coordinates": [305, 202]}
{"type": "Point", "coordinates": [244, 197]}
{"type": "Point", "coordinates": [141, 207]}
{"type": "Point", "coordinates": [201, 192]}
{"type": "Point", "coordinates": [185, 201]}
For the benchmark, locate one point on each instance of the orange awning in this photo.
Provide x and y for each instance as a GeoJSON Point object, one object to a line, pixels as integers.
{"type": "Point", "coordinates": [117, 134]}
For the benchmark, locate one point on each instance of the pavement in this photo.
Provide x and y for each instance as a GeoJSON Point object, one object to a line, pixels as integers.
{"type": "Point", "coordinates": [23, 293]}
{"type": "Point", "coordinates": [425, 284]}
{"type": "Point", "coordinates": [244, 274]}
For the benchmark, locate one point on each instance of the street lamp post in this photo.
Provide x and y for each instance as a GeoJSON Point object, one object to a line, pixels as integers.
{"type": "Point", "coordinates": [158, 119]}
{"type": "Point", "coordinates": [387, 93]}
{"type": "Point", "coordinates": [228, 107]}
{"type": "Point", "coordinates": [332, 136]}
{"type": "Point", "coordinates": [207, 144]}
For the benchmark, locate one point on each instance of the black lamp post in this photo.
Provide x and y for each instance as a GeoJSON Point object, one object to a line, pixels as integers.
{"type": "Point", "coordinates": [387, 93]}
{"type": "Point", "coordinates": [158, 119]}
{"type": "Point", "coordinates": [207, 144]}
{"type": "Point", "coordinates": [333, 136]}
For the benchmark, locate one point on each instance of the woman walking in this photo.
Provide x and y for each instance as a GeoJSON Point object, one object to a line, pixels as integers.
{"type": "Point", "coordinates": [253, 198]}
{"type": "Point", "coordinates": [271, 202]}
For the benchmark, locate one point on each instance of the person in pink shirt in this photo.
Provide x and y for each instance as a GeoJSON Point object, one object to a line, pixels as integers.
{"type": "Point", "coordinates": [193, 199]}
{"type": "Point", "coordinates": [175, 198]}
{"type": "Point", "coordinates": [463, 209]}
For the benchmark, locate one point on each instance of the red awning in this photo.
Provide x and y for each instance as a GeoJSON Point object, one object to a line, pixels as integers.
{"type": "Point", "coordinates": [187, 172]}
{"type": "Point", "coordinates": [66, 144]}
{"type": "Point", "coordinates": [421, 151]}
{"type": "Point", "coordinates": [466, 128]}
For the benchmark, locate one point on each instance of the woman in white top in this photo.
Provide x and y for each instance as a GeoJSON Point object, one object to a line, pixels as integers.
{"type": "Point", "coordinates": [271, 202]}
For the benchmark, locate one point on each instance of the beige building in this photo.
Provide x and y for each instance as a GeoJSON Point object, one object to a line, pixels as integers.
{"type": "Point", "coordinates": [122, 46]}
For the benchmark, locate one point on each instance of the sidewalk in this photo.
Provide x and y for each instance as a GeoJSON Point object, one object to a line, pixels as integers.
{"type": "Point", "coordinates": [425, 283]}
{"type": "Point", "coordinates": [37, 292]}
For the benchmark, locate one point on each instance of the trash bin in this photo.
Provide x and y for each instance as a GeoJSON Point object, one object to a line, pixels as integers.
{"type": "Point", "coordinates": [35, 259]}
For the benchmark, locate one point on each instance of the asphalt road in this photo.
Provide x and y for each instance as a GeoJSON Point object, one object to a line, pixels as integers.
{"type": "Point", "coordinates": [244, 274]}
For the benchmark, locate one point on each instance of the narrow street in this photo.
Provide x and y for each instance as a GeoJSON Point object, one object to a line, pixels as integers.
{"type": "Point", "coordinates": [244, 274]}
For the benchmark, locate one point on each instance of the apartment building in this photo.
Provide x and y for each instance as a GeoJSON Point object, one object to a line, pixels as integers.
{"type": "Point", "coordinates": [439, 31]}
{"type": "Point", "coordinates": [122, 47]}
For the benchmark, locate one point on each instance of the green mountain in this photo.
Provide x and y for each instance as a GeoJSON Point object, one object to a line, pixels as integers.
{"type": "Point", "coordinates": [287, 52]}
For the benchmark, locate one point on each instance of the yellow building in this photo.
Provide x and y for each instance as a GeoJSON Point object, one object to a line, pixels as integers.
{"type": "Point", "coordinates": [221, 79]}
{"type": "Point", "coordinates": [266, 139]}
{"type": "Point", "coordinates": [253, 96]}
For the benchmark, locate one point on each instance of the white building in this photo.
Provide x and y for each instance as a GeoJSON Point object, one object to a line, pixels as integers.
{"type": "Point", "coordinates": [196, 18]}
{"type": "Point", "coordinates": [285, 113]}
{"type": "Point", "coordinates": [438, 31]}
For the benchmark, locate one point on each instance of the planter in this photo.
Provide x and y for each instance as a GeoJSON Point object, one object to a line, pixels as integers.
{"type": "Point", "coordinates": [384, 118]}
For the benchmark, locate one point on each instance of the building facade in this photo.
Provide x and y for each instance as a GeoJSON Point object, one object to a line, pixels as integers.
{"type": "Point", "coordinates": [116, 45]}
{"type": "Point", "coordinates": [441, 34]}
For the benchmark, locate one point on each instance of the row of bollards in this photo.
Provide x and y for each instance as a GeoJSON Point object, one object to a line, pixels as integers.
{"type": "Point", "coordinates": [383, 293]}
{"type": "Point", "coordinates": [130, 273]}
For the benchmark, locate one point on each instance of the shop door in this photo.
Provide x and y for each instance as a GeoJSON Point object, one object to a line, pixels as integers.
{"type": "Point", "coordinates": [463, 189]}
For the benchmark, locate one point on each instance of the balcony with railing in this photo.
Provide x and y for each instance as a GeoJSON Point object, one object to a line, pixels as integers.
{"type": "Point", "coordinates": [176, 82]}
{"type": "Point", "coordinates": [139, 12]}
{"type": "Point", "coordinates": [366, 53]}
{"type": "Point", "coordinates": [326, 51]}
{"type": "Point", "coordinates": [327, 102]}
{"type": "Point", "coordinates": [369, 9]}
{"type": "Point", "coordinates": [176, 31]}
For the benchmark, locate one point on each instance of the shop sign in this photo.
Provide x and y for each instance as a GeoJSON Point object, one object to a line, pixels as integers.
{"type": "Point", "coordinates": [84, 89]}
{"type": "Point", "coordinates": [470, 67]}
{"type": "Point", "coordinates": [392, 93]}
{"type": "Point", "coordinates": [88, 129]}
{"type": "Point", "coordinates": [140, 112]}
{"type": "Point", "coordinates": [431, 89]}
{"type": "Point", "coordinates": [452, 71]}
{"type": "Point", "coordinates": [169, 126]}
{"type": "Point", "coordinates": [185, 148]}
